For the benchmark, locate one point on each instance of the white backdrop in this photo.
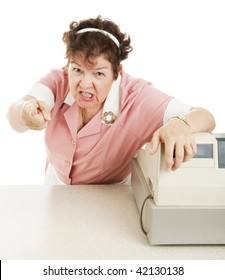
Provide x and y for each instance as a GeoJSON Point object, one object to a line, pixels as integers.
{"type": "Point", "coordinates": [178, 45]}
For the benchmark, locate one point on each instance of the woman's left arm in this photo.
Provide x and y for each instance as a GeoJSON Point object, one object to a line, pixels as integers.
{"type": "Point", "coordinates": [178, 136]}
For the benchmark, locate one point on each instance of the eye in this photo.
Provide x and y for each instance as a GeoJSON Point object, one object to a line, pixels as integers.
{"type": "Point", "coordinates": [99, 74]}
{"type": "Point", "coordinates": [76, 70]}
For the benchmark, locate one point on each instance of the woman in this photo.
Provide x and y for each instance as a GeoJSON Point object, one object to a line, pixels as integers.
{"type": "Point", "coordinates": [96, 116]}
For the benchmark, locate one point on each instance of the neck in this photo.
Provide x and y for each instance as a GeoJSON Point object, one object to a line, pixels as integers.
{"type": "Point", "coordinates": [87, 114]}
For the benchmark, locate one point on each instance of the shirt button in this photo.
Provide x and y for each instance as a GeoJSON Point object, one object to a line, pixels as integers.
{"type": "Point", "coordinates": [73, 142]}
{"type": "Point", "coordinates": [68, 163]}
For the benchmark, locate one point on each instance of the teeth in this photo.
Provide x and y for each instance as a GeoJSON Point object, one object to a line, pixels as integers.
{"type": "Point", "coordinates": [86, 94]}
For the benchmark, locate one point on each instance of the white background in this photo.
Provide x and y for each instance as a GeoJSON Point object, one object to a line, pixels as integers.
{"type": "Point", "coordinates": [178, 45]}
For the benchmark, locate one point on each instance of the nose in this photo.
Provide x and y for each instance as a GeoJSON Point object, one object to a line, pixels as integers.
{"type": "Point", "coordinates": [86, 81]}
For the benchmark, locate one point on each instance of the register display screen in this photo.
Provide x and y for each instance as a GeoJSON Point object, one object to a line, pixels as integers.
{"type": "Point", "coordinates": [204, 151]}
{"type": "Point", "coordinates": [221, 152]}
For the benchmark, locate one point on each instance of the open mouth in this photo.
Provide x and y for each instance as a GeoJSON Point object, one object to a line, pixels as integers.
{"type": "Point", "coordinates": [86, 96]}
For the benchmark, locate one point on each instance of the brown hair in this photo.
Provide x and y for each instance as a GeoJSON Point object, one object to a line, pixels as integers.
{"type": "Point", "coordinates": [93, 44]}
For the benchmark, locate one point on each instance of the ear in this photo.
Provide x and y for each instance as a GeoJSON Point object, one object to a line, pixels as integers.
{"type": "Point", "coordinates": [120, 69]}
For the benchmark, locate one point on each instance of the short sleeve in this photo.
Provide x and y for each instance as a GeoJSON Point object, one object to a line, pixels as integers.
{"type": "Point", "coordinates": [176, 107]}
{"type": "Point", "coordinates": [50, 87]}
{"type": "Point", "coordinates": [42, 93]}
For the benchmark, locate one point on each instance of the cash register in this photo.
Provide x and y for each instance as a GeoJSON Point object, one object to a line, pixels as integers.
{"type": "Point", "coordinates": [186, 206]}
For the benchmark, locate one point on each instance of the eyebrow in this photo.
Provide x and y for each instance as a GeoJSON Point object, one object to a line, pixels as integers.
{"type": "Point", "coordinates": [98, 68]}
{"type": "Point", "coordinates": [101, 68]}
{"type": "Point", "coordinates": [73, 62]}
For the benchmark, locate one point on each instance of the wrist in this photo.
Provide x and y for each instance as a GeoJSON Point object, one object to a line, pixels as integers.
{"type": "Point", "coordinates": [182, 119]}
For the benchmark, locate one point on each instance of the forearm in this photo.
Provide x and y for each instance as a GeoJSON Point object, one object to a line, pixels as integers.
{"type": "Point", "coordinates": [178, 135]}
{"type": "Point", "coordinates": [200, 120]}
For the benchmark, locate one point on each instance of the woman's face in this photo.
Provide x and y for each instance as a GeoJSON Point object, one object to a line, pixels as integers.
{"type": "Point", "coordinates": [90, 83]}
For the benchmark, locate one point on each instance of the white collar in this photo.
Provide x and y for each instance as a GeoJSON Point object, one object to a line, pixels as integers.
{"type": "Point", "coordinates": [69, 100]}
{"type": "Point", "coordinates": [111, 108]}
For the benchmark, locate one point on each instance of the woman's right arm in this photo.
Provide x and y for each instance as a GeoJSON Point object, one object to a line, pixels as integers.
{"type": "Point", "coordinates": [28, 113]}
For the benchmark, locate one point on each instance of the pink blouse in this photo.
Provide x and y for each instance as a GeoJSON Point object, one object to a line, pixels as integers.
{"type": "Point", "coordinates": [99, 153]}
